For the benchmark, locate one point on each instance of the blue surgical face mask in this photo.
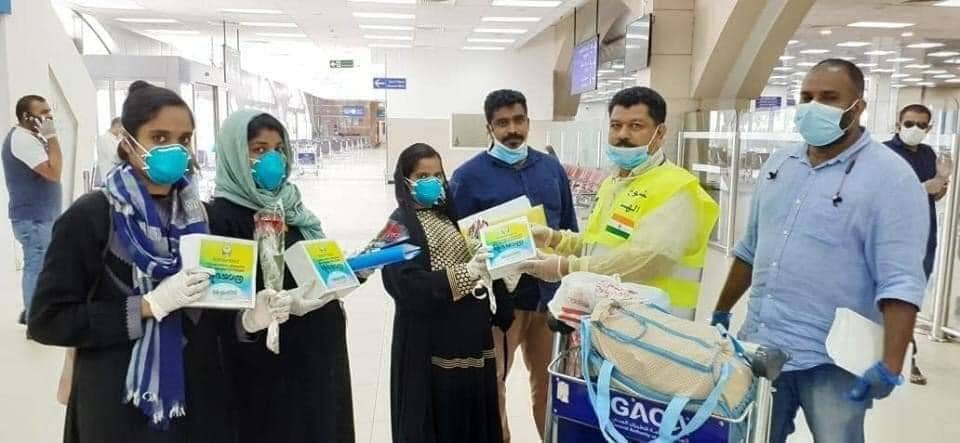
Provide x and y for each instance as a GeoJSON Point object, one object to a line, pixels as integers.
{"type": "Point", "coordinates": [508, 155]}
{"type": "Point", "coordinates": [427, 191]}
{"type": "Point", "coordinates": [819, 124]}
{"type": "Point", "coordinates": [629, 159]}
{"type": "Point", "coordinates": [269, 170]}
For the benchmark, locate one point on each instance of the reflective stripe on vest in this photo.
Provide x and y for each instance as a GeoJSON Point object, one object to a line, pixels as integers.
{"type": "Point", "coordinates": [622, 204]}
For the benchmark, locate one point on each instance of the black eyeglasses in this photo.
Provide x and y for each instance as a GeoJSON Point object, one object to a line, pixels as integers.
{"type": "Point", "coordinates": [910, 124]}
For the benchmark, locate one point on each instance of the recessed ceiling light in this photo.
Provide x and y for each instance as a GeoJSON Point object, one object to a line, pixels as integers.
{"type": "Point", "coordinates": [927, 84]}
{"type": "Point", "coordinates": [384, 15]}
{"type": "Point", "coordinates": [814, 51]}
{"type": "Point", "coordinates": [494, 40]}
{"type": "Point", "coordinates": [848, 58]}
{"type": "Point", "coordinates": [925, 45]}
{"type": "Point", "coordinates": [500, 31]}
{"type": "Point", "coordinates": [806, 64]}
{"type": "Point", "coordinates": [282, 34]}
{"type": "Point", "coordinates": [268, 24]}
{"type": "Point", "coordinates": [883, 71]}
{"type": "Point", "coordinates": [900, 59]}
{"type": "Point", "coordinates": [251, 11]}
{"type": "Point", "coordinates": [952, 61]}
{"type": "Point", "coordinates": [172, 31]}
{"type": "Point", "coordinates": [867, 65]}
{"type": "Point", "coordinates": [783, 68]}
{"type": "Point", "coordinates": [389, 45]}
{"type": "Point", "coordinates": [900, 75]}
{"type": "Point", "coordinates": [483, 48]}
{"type": "Point", "coordinates": [948, 3]}
{"type": "Point", "coordinates": [944, 76]}
{"type": "Point", "coordinates": [793, 42]}
{"type": "Point", "coordinates": [912, 80]}
{"type": "Point", "coordinates": [944, 54]}
{"type": "Point", "coordinates": [825, 32]}
{"type": "Point", "coordinates": [604, 71]}
{"type": "Point", "coordinates": [916, 66]}
{"type": "Point", "coordinates": [954, 80]}
{"type": "Point", "coordinates": [935, 71]}
{"type": "Point", "coordinates": [907, 34]}
{"type": "Point", "coordinates": [511, 19]}
{"type": "Point", "coordinates": [786, 57]}
{"type": "Point", "coordinates": [637, 37]}
{"type": "Point", "coordinates": [777, 76]}
{"type": "Point", "coordinates": [528, 3]}
{"type": "Point", "coordinates": [898, 86]}
{"type": "Point", "coordinates": [617, 66]}
{"type": "Point", "coordinates": [389, 37]}
{"type": "Point", "coordinates": [386, 28]}
{"type": "Point", "coordinates": [878, 52]}
{"type": "Point", "coordinates": [393, 2]}
{"type": "Point", "coordinates": [883, 25]}
{"type": "Point", "coordinates": [799, 74]}
{"type": "Point", "coordinates": [148, 20]}
{"type": "Point", "coordinates": [853, 44]}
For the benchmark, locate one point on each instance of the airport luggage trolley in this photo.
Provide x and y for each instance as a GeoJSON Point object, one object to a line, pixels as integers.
{"type": "Point", "coordinates": [571, 418]}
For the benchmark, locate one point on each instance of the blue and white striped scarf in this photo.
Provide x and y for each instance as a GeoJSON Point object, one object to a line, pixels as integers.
{"type": "Point", "coordinates": [155, 378]}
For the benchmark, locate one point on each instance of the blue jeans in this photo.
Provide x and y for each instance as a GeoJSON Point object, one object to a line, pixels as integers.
{"type": "Point", "coordinates": [34, 237]}
{"type": "Point", "coordinates": [821, 392]}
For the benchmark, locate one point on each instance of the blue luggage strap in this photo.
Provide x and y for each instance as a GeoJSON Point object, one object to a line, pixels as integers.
{"type": "Point", "coordinates": [600, 398]}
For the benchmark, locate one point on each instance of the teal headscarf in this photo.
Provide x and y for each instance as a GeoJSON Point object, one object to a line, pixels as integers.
{"type": "Point", "coordinates": [234, 180]}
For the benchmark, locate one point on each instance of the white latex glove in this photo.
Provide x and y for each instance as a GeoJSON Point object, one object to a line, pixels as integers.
{"type": "Point", "coordinates": [308, 298]}
{"type": "Point", "coordinates": [270, 306]}
{"type": "Point", "coordinates": [511, 281]}
{"type": "Point", "coordinates": [477, 267]}
{"type": "Point", "coordinates": [541, 235]}
{"type": "Point", "coordinates": [545, 267]}
{"type": "Point", "coordinates": [47, 128]}
{"type": "Point", "coordinates": [177, 291]}
{"type": "Point", "coordinates": [944, 168]}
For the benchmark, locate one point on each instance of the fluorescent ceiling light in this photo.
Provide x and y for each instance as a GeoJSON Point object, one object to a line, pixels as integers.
{"type": "Point", "coordinates": [944, 76]}
{"type": "Point", "coordinates": [528, 3]}
{"type": "Point", "coordinates": [494, 40]}
{"type": "Point", "coordinates": [268, 24]}
{"type": "Point", "coordinates": [173, 31]}
{"type": "Point", "coordinates": [927, 84]}
{"type": "Point", "coordinates": [825, 32]}
{"type": "Point", "coordinates": [774, 77]}
{"type": "Point", "coordinates": [387, 27]}
{"type": "Point", "coordinates": [157, 21]}
{"type": "Point", "coordinates": [108, 4]}
{"type": "Point", "coordinates": [935, 71]}
{"type": "Point", "coordinates": [282, 34]}
{"type": "Point", "coordinates": [251, 11]}
{"type": "Point", "coordinates": [898, 86]}
{"type": "Point", "coordinates": [814, 51]}
{"type": "Point", "coordinates": [389, 45]}
{"type": "Point", "coordinates": [900, 59]}
{"type": "Point", "coordinates": [884, 71]}
{"type": "Point", "coordinates": [878, 52]}
{"type": "Point", "coordinates": [912, 80]}
{"type": "Point", "coordinates": [783, 68]}
{"type": "Point", "coordinates": [483, 48]}
{"type": "Point", "coordinates": [906, 34]}
{"type": "Point", "coordinates": [637, 37]}
{"type": "Point", "coordinates": [867, 65]}
{"type": "Point", "coordinates": [944, 54]}
{"type": "Point", "coordinates": [606, 71]}
{"type": "Point", "coordinates": [793, 42]}
{"type": "Point", "coordinates": [393, 2]}
{"type": "Point", "coordinates": [900, 76]}
{"type": "Point", "coordinates": [853, 44]}
{"type": "Point", "coordinates": [954, 80]}
{"type": "Point", "coordinates": [848, 58]}
{"type": "Point", "coordinates": [925, 45]}
{"type": "Point", "coordinates": [948, 3]}
{"type": "Point", "coordinates": [786, 57]}
{"type": "Point", "coordinates": [806, 64]}
{"type": "Point", "coordinates": [882, 25]}
{"type": "Point", "coordinates": [384, 15]}
{"type": "Point", "coordinates": [617, 66]}
{"type": "Point", "coordinates": [916, 66]}
{"type": "Point", "coordinates": [500, 31]}
{"type": "Point", "coordinates": [511, 19]}
{"type": "Point", "coordinates": [799, 74]}
{"type": "Point", "coordinates": [389, 37]}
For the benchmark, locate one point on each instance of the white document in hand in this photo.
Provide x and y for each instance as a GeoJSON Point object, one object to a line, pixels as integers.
{"type": "Point", "coordinates": [855, 343]}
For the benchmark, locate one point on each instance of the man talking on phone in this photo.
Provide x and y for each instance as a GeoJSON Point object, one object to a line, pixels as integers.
{"type": "Point", "coordinates": [32, 164]}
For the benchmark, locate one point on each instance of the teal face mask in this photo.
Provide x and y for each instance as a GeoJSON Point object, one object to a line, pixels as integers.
{"type": "Point", "coordinates": [819, 124]}
{"type": "Point", "coordinates": [629, 158]}
{"type": "Point", "coordinates": [270, 170]}
{"type": "Point", "coordinates": [427, 191]}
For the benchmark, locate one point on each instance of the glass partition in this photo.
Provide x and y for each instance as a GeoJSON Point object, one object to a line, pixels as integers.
{"type": "Point", "coordinates": [707, 144]}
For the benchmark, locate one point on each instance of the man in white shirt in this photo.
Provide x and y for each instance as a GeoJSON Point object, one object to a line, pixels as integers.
{"type": "Point", "coordinates": [107, 150]}
{"type": "Point", "coordinates": [32, 164]}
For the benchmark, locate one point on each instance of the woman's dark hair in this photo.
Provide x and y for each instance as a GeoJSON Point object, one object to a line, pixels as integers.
{"type": "Point", "coordinates": [144, 101]}
{"type": "Point", "coordinates": [264, 122]}
{"type": "Point", "coordinates": [406, 163]}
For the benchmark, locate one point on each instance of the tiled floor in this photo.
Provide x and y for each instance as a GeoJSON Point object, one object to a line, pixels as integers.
{"type": "Point", "coordinates": [351, 199]}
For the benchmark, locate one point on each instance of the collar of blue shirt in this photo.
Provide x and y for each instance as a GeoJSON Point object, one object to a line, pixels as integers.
{"type": "Point", "coordinates": [865, 139]}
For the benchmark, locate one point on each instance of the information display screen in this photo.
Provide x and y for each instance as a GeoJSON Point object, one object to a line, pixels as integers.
{"type": "Point", "coordinates": [637, 54]}
{"type": "Point", "coordinates": [583, 66]}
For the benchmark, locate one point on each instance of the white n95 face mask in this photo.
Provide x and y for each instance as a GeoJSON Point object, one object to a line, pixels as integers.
{"type": "Point", "coordinates": [912, 136]}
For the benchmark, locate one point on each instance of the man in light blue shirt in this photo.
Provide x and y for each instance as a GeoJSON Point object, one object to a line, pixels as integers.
{"type": "Point", "coordinates": [840, 222]}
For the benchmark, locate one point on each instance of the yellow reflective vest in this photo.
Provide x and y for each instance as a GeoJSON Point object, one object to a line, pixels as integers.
{"type": "Point", "coordinates": [617, 214]}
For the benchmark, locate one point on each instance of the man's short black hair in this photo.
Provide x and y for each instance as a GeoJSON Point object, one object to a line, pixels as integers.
{"type": "Point", "coordinates": [853, 72]}
{"type": "Point", "coordinates": [918, 108]}
{"type": "Point", "coordinates": [24, 104]}
{"type": "Point", "coordinates": [656, 105]}
{"type": "Point", "coordinates": [502, 98]}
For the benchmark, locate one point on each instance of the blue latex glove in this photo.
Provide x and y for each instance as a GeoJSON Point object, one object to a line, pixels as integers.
{"type": "Point", "coordinates": [721, 318]}
{"type": "Point", "coordinates": [877, 383]}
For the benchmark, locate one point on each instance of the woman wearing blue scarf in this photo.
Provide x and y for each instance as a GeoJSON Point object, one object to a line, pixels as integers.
{"type": "Point", "coordinates": [147, 368]}
{"type": "Point", "coordinates": [303, 393]}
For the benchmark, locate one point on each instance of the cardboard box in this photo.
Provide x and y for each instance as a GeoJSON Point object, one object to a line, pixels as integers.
{"type": "Point", "coordinates": [320, 261]}
{"type": "Point", "coordinates": [234, 264]}
{"type": "Point", "coordinates": [510, 243]}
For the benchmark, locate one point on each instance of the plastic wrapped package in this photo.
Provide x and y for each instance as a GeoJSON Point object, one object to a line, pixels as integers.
{"type": "Point", "coordinates": [580, 292]}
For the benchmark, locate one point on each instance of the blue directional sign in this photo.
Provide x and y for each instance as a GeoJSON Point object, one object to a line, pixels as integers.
{"type": "Point", "coordinates": [769, 102]}
{"type": "Point", "coordinates": [354, 111]}
{"type": "Point", "coordinates": [389, 83]}
{"type": "Point", "coordinates": [4, 7]}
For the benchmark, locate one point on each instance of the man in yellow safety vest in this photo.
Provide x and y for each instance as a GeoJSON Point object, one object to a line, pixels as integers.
{"type": "Point", "coordinates": [651, 221]}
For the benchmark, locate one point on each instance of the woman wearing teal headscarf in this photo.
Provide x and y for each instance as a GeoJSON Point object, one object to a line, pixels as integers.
{"type": "Point", "coordinates": [303, 393]}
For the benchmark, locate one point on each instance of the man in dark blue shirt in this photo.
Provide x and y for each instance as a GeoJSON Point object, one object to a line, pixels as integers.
{"type": "Point", "coordinates": [912, 127]}
{"type": "Point", "coordinates": [507, 170]}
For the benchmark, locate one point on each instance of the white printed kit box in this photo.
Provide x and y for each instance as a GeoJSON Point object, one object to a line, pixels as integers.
{"type": "Point", "coordinates": [323, 262]}
{"type": "Point", "coordinates": [510, 243]}
{"type": "Point", "coordinates": [233, 262]}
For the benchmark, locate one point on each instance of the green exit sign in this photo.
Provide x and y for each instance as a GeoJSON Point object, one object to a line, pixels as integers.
{"type": "Point", "coordinates": [341, 64]}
